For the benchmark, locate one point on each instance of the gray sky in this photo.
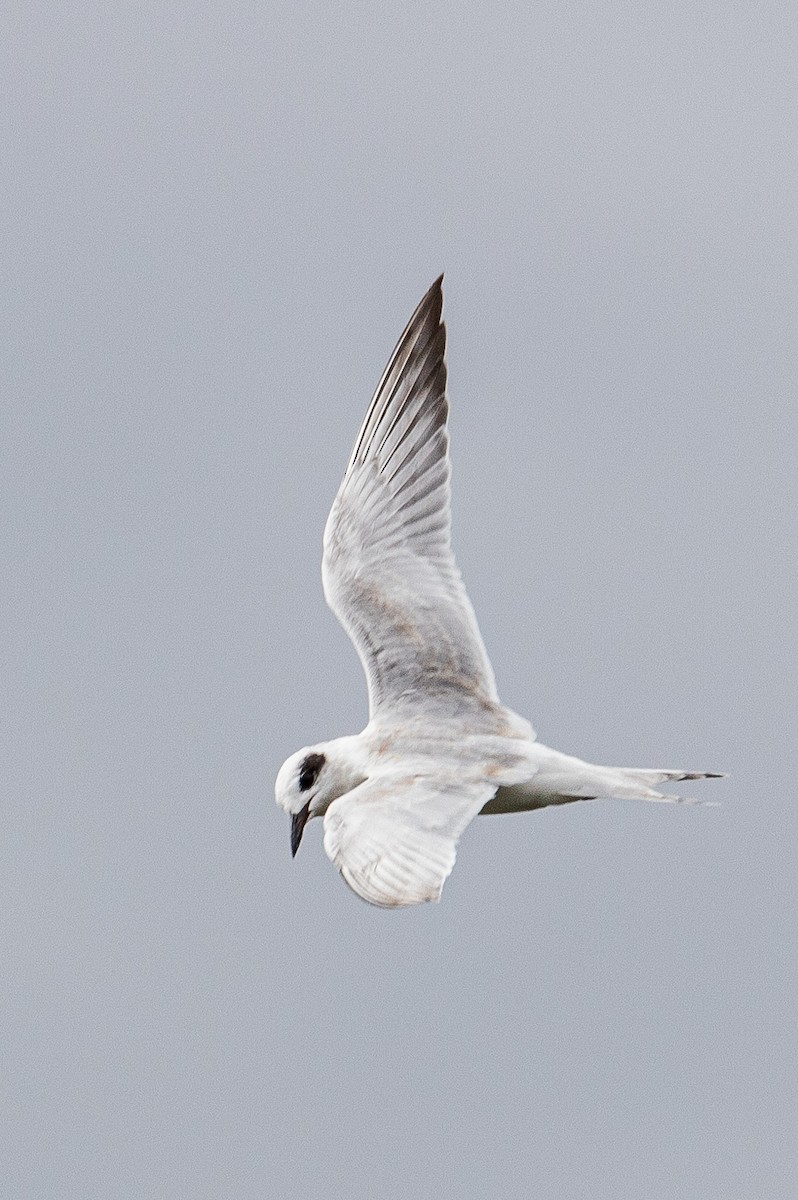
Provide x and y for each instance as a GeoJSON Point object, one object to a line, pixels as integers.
{"type": "Point", "coordinates": [218, 218]}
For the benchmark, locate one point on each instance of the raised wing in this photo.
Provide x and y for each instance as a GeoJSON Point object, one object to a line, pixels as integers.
{"type": "Point", "coordinates": [388, 569]}
{"type": "Point", "coordinates": [394, 839]}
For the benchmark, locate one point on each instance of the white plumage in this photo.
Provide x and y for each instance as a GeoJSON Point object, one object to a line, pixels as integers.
{"type": "Point", "coordinates": [439, 747]}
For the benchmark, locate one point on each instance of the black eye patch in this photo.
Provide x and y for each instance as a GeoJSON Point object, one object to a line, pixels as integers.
{"type": "Point", "coordinates": [309, 771]}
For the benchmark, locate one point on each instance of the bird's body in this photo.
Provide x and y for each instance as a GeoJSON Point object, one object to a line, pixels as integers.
{"type": "Point", "coordinates": [439, 747]}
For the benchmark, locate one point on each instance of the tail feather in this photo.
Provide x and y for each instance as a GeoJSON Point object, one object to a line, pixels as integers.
{"type": "Point", "coordinates": [633, 783]}
{"type": "Point", "coordinates": [560, 779]}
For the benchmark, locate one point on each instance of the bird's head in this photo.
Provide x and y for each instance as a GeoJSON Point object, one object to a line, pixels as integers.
{"type": "Point", "coordinates": [309, 781]}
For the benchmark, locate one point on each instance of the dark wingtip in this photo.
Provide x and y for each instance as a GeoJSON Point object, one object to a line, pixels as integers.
{"type": "Point", "coordinates": [425, 325]}
{"type": "Point", "coordinates": [430, 302]}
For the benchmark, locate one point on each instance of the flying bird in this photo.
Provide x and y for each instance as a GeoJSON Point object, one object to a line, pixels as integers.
{"type": "Point", "coordinates": [439, 747]}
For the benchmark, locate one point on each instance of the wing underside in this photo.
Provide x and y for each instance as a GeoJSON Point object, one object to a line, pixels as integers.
{"type": "Point", "coordinates": [388, 569]}
{"type": "Point", "coordinates": [394, 840]}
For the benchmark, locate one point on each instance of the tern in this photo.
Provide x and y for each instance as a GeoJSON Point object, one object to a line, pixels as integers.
{"type": "Point", "coordinates": [439, 747]}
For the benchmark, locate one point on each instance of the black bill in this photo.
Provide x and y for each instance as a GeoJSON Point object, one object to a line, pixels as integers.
{"type": "Point", "coordinates": [298, 822]}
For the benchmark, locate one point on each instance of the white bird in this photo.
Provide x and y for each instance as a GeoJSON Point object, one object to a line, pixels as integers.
{"type": "Point", "coordinates": [439, 747]}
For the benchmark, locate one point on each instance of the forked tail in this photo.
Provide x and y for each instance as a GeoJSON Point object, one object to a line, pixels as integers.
{"type": "Point", "coordinates": [632, 783]}
{"type": "Point", "coordinates": [561, 779]}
